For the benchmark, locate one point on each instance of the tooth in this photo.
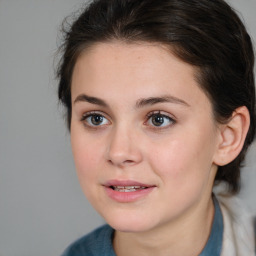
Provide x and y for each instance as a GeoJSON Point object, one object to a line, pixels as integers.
{"type": "Point", "coordinates": [130, 190]}
{"type": "Point", "coordinates": [127, 188]}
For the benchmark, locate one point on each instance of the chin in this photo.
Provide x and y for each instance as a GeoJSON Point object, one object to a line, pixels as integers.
{"type": "Point", "coordinates": [130, 223]}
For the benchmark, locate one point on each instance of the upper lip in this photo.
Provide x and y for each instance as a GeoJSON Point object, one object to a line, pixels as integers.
{"type": "Point", "coordinates": [124, 183]}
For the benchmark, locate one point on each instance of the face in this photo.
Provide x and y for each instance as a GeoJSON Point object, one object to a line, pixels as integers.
{"type": "Point", "coordinates": [143, 135]}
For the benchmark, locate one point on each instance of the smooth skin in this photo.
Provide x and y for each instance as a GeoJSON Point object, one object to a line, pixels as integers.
{"type": "Point", "coordinates": [139, 114]}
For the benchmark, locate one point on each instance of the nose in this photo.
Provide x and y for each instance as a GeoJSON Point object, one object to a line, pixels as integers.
{"type": "Point", "coordinates": [123, 149]}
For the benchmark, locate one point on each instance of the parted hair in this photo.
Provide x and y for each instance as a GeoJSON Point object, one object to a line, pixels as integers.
{"type": "Point", "coordinates": [207, 34]}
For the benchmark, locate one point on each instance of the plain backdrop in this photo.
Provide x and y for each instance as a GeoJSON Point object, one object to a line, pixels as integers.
{"type": "Point", "coordinates": [42, 208]}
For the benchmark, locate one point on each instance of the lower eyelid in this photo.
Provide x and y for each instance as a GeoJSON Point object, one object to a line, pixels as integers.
{"type": "Point", "coordinates": [86, 115]}
{"type": "Point", "coordinates": [90, 126]}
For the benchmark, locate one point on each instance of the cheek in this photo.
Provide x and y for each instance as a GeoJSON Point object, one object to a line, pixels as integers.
{"type": "Point", "coordinates": [86, 155]}
{"type": "Point", "coordinates": [184, 172]}
{"type": "Point", "coordinates": [173, 159]}
{"type": "Point", "coordinates": [183, 161]}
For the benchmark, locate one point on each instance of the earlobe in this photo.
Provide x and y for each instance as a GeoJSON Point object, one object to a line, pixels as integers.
{"type": "Point", "coordinates": [232, 134]}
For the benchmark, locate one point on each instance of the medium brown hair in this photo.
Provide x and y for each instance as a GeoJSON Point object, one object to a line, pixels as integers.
{"type": "Point", "coordinates": [207, 34]}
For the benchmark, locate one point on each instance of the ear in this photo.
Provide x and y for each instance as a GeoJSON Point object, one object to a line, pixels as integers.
{"type": "Point", "coordinates": [232, 136]}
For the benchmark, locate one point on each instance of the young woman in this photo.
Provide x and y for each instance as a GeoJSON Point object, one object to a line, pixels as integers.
{"type": "Point", "coordinates": [160, 104]}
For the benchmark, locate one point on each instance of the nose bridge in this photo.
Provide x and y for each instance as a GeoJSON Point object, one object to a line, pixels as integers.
{"type": "Point", "coordinates": [123, 148]}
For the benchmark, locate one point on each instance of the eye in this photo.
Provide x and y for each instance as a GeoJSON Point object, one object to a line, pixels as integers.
{"type": "Point", "coordinates": [94, 119]}
{"type": "Point", "coordinates": [159, 120]}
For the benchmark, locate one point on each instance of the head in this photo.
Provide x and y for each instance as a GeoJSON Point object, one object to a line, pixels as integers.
{"type": "Point", "coordinates": [175, 76]}
{"type": "Point", "coordinates": [208, 35]}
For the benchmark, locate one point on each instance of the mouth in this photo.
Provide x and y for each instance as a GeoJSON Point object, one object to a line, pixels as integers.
{"type": "Point", "coordinates": [127, 188]}
{"type": "Point", "coordinates": [127, 191]}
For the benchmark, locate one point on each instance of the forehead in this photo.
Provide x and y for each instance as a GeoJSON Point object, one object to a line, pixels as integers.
{"type": "Point", "coordinates": [140, 69]}
{"type": "Point", "coordinates": [139, 56]}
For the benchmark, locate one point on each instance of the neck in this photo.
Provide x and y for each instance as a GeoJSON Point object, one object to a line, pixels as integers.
{"type": "Point", "coordinates": [184, 236]}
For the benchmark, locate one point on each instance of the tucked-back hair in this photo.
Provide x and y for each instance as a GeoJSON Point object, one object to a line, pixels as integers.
{"type": "Point", "coordinates": [207, 34]}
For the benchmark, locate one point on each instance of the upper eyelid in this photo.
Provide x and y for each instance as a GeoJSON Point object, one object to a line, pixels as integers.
{"type": "Point", "coordinates": [160, 112]}
{"type": "Point", "coordinates": [172, 121]}
{"type": "Point", "coordinates": [148, 115]}
{"type": "Point", "coordinates": [89, 114]}
{"type": "Point", "coordinates": [95, 112]}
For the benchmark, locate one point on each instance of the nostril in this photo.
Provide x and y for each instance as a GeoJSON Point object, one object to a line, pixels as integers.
{"type": "Point", "coordinates": [121, 163]}
{"type": "Point", "coordinates": [128, 161]}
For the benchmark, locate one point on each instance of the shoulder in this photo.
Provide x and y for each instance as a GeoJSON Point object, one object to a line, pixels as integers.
{"type": "Point", "coordinates": [98, 242]}
{"type": "Point", "coordinates": [238, 237]}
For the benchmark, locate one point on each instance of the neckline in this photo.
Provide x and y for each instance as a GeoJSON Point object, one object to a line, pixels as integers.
{"type": "Point", "coordinates": [214, 244]}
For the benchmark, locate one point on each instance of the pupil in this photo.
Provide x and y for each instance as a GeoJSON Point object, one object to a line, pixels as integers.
{"type": "Point", "coordinates": [158, 120]}
{"type": "Point", "coordinates": [96, 119]}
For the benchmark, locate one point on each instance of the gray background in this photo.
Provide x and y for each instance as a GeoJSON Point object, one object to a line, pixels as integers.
{"type": "Point", "coordinates": [42, 208]}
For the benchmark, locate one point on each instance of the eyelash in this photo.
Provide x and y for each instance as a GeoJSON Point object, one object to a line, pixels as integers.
{"type": "Point", "coordinates": [148, 117]}
{"type": "Point", "coordinates": [91, 114]}
{"type": "Point", "coordinates": [163, 115]}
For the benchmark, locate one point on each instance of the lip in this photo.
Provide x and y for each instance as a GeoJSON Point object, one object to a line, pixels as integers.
{"type": "Point", "coordinates": [126, 183]}
{"type": "Point", "coordinates": [126, 197]}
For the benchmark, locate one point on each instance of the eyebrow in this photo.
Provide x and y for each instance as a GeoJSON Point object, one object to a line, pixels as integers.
{"type": "Point", "coordinates": [162, 99]}
{"type": "Point", "coordinates": [139, 103]}
{"type": "Point", "coordinates": [92, 100]}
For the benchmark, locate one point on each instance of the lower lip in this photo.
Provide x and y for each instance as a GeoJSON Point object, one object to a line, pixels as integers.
{"type": "Point", "coordinates": [127, 197]}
